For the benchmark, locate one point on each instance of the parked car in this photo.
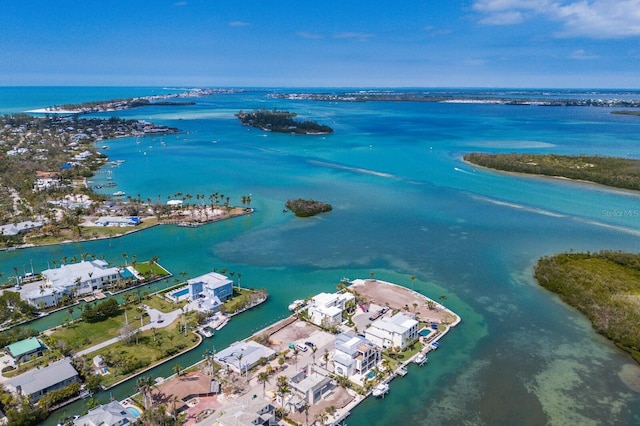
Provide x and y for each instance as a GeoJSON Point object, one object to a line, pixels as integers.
{"type": "Point", "coordinates": [301, 347]}
{"type": "Point", "coordinates": [310, 344]}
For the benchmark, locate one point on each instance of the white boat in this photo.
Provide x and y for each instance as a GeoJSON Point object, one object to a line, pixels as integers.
{"type": "Point", "coordinates": [434, 345]}
{"type": "Point", "coordinates": [380, 390]}
{"type": "Point", "coordinates": [296, 304]}
{"type": "Point", "coordinates": [118, 193]}
{"type": "Point", "coordinates": [420, 359]}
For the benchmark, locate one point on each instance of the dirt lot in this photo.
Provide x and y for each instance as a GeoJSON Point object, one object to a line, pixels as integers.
{"type": "Point", "coordinates": [378, 293]}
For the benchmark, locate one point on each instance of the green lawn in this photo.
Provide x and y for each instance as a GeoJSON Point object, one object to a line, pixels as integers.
{"type": "Point", "coordinates": [151, 270]}
{"type": "Point", "coordinates": [125, 359]}
{"type": "Point", "coordinates": [81, 334]}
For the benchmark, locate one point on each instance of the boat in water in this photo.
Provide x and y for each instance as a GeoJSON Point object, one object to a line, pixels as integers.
{"type": "Point", "coordinates": [420, 358]}
{"type": "Point", "coordinates": [434, 345]}
{"type": "Point", "coordinates": [380, 390]}
{"type": "Point", "coordinates": [297, 304]}
{"type": "Point", "coordinates": [118, 193]}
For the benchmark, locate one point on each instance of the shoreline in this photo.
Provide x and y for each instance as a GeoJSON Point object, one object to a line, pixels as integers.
{"type": "Point", "coordinates": [245, 212]}
{"type": "Point", "coordinates": [615, 189]}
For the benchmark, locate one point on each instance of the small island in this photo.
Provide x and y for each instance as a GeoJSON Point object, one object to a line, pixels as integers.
{"type": "Point", "coordinates": [616, 172]}
{"type": "Point", "coordinates": [604, 286]}
{"type": "Point", "coordinates": [307, 208]}
{"type": "Point", "coordinates": [281, 121]}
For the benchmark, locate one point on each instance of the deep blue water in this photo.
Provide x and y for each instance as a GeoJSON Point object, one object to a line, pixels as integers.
{"type": "Point", "coordinates": [404, 205]}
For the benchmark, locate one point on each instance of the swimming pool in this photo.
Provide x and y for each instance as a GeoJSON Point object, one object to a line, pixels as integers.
{"type": "Point", "coordinates": [134, 411]}
{"type": "Point", "coordinates": [178, 295]}
{"type": "Point", "coordinates": [425, 332]}
{"type": "Point", "coordinates": [181, 292]}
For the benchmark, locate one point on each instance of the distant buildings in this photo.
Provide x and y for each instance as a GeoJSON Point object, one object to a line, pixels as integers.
{"type": "Point", "coordinates": [19, 228]}
{"type": "Point", "coordinates": [325, 309]}
{"type": "Point", "coordinates": [79, 278]}
{"type": "Point", "coordinates": [210, 290]}
{"type": "Point", "coordinates": [397, 331]}
{"type": "Point", "coordinates": [118, 221]}
{"type": "Point", "coordinates": [36, 383]}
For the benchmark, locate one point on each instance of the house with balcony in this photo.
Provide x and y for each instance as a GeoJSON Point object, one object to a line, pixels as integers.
{"type": "Point", "coordinates": [78, 278]}
{"type": "Point", "coordinates": [354, 354]}
{"type": "Point", "coordinates": [325, 309]}
{"type": "Point", "coordinates": [210, 290]}
{"type": "Point", "coordinates": [396, 331]}
{"type": "Point", "coordinates": [25, 350]}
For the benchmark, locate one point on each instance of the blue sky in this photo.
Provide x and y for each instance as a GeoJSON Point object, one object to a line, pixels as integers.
{"type": "Point", "coordinates": [380, 43]}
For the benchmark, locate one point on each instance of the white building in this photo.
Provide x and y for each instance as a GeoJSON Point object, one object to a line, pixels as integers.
{"type": "Point", "coordinates": [119, 221]}
{"type": "Point", "coordinates": [111, 414]}
{"type": "Point", "coordinates": [81, 278]}
{"type": "Point", "coordinates": [397, 331]}
{"type": "Point", "coordinates": [354, 355]}
{"type": "Point", "coordinates": [210, 290]}
{"type": "Point", "coordinates": [325, 309]}
{"type": "Point", "coordinates": [18, 228]}
{"type": "Point", "coordinates": [243, 356]}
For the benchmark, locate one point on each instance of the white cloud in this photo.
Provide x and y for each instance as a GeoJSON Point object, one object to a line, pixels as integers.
{"type": "Point", "coordinates": [434, 31]}
{"type": "Point", "coordinates": [180, 3]}
{"type": "Point", "coordinates": [306, 34]}
{"type": "Point", "coordinates": [585, 18]}
{"type": "Point", "coordinates": [355, 36]}
{"type": "Point", "coordinates": [238, 24]}
{"type": "Point", "coordinates": [581, 55]}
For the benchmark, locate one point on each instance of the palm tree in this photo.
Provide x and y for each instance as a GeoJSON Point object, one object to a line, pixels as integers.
{"type": "Point", "coordinates": [263, 377]}
{"type": "Point", "coordinates": [413, 278]}
{"type": "Point", "coordinates": [124, 256]}
{"type": "Point", "coordinates": [144, 384]}
{"type": "Point", "coordinates": [283, 388]}
{"type": "Point", "coordinates": [177, 369]}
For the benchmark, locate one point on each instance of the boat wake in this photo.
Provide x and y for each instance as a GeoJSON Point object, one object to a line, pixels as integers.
{"type": "Point", "coordinates": [518, 206]}
{"type": "Point", "coordinates": [355, 169]}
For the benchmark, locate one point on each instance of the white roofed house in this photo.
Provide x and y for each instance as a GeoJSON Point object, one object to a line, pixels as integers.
{"type": "Point", "coordinates": [398, 331]}
{"type": "Point", "coordinates": [210, 290]}
{"type": "Point", "coordinates": [354, 355]}
{"type": "Point", "coordinates": [325, 309]}
{"type": "Point", "coordinates": [79, 278]}
{"type": "Point", "coordinates": [243, 356]}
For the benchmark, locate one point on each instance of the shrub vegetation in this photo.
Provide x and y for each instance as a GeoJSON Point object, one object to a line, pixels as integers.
{"type": "Point", "coordinates": [605, 286]}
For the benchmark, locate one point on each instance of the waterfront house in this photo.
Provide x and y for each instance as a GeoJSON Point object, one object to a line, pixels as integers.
{"type": "Point", "coordinates": [210, 290]}
{"type": "Point", "coordinates": [36, 383]}
{"type": "Point", "coordinates": [397, 331]}
{"type": "Point", "coordinates": [118, 221]}
{"type": "Point", "coordinates": [308, 388]}
{"type": "Point", "coordinates": [111, 414]}
{"type": "Point", "coordinates": [12, 229]}
{"type": "Point", "coordinates": [45, 297]}
{"type": "Point", "coordinates": [354, 355]}
{"type": "Point", "coordinates": [243, 356]}
{"type": "Point", "coordinates": [325, 309]}
{"type": "Point", "coordinates": [26, 349]}
{"type": "Point", "coordinates": [245, 412]}
{"type": "Point", "coordinates": [79, 278]}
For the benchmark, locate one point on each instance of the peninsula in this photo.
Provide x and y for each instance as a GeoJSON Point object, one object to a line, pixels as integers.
{"type": "Point", "coordinates": [281, 121]}
{"type": "Point", "coordinates": [616, 172]}
{"type": "Point", "coordinates": [604, 286]}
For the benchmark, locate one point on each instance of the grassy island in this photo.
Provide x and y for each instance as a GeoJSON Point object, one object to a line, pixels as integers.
{"type": "Point", "coordinates": [611, 171]}
{"type": "Point", "coordinates": [605, 286]}
{"type": "Point", "coordinates": [281, 121]}
{"type": "Point", "coordinates": [306, 208]}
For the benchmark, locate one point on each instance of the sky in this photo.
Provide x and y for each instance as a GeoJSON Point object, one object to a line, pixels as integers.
{"type": "Point", "coordinates": [327, 43]}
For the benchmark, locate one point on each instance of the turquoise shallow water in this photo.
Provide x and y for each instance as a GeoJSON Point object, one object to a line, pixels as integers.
{"type": "Point", "coordinates": [404, 204]}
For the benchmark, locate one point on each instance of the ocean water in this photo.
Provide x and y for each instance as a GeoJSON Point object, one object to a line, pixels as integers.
{"type": "Point", "coordinates": [405, 204]}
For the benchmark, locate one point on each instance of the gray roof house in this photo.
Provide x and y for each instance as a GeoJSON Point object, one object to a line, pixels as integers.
{"type": "Point", "coordinates": [111, 414]}
{"type": "Point", "coordinates": [36, 383]}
